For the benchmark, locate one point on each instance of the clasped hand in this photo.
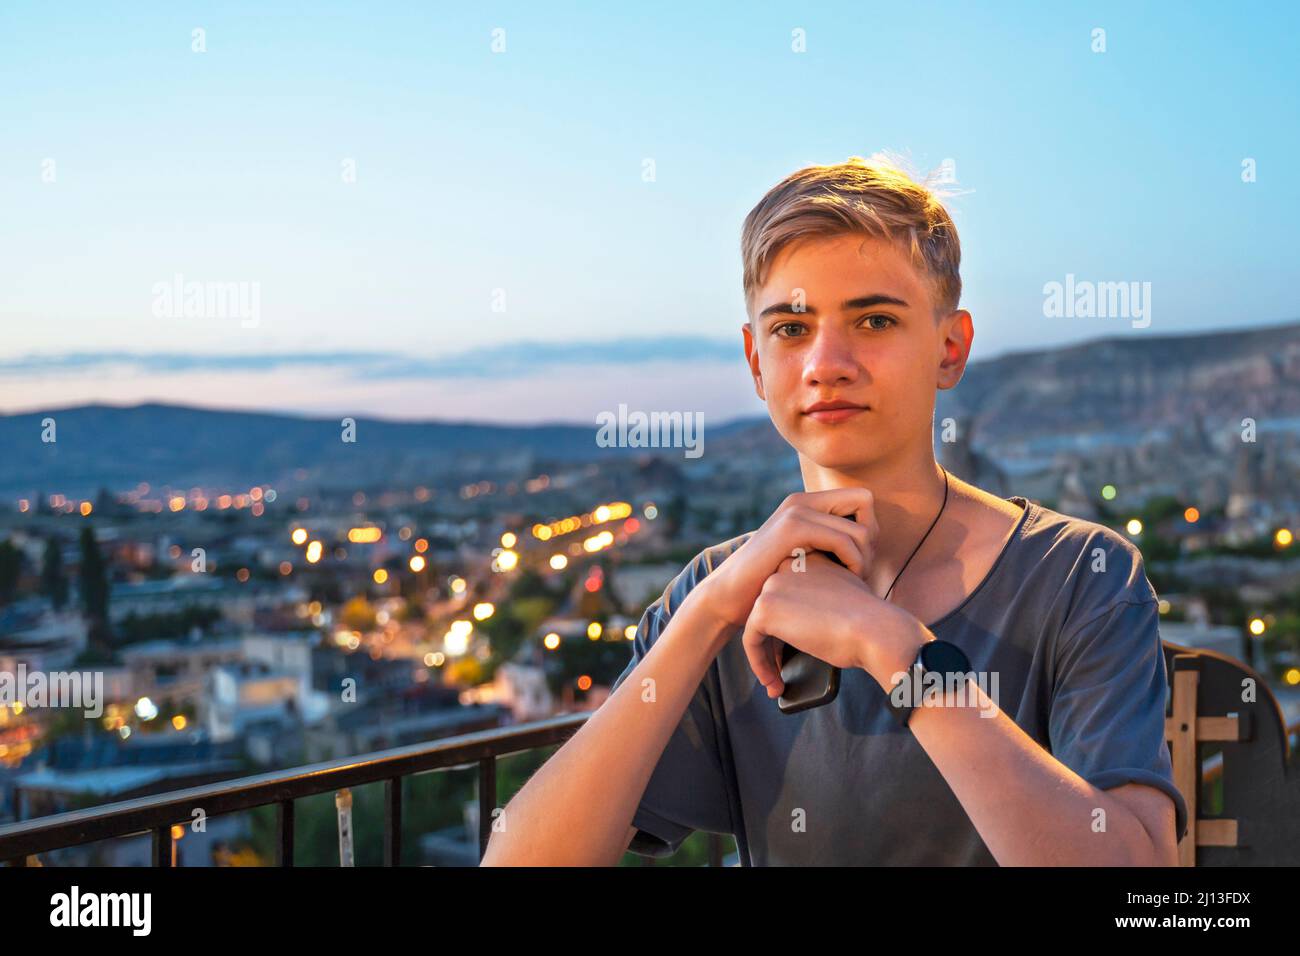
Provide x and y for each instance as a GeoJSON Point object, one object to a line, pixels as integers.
{"type": "Point", "coordinates": [781, 589]}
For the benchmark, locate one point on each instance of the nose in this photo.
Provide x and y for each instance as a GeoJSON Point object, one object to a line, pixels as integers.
{"type": "Point", "coordinates": [829, 358]}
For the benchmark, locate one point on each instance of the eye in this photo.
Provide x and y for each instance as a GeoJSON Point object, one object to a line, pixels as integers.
{"type": "Point", "coordinates": [889, 319]}
{"type": "Point", "coordinates": [795, 326]}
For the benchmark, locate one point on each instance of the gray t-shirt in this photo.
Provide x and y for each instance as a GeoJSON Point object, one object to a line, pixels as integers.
{"type": "Point", "coordinates": [1065, 617]}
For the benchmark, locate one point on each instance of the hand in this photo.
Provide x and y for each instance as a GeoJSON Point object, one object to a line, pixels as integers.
{"type": "Point", "coordinates": [830, 613]}
{"type": "Point", "coordinates": [805, 522]}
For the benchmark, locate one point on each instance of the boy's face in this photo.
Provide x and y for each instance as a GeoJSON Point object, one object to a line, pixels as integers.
{"type": "Point", "coordinates": [867, 338]}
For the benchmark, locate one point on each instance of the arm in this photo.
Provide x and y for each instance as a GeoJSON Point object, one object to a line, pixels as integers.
{"type": "Point", "coordinates": [577, 809]}
{"type": "Point", "coordinates": [1046, 818]}
{"type": "Point", "coordinates": [1029, 806]}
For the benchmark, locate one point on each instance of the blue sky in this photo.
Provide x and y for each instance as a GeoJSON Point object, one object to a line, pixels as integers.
{"type": "Point", "coordinates": [522, 171]}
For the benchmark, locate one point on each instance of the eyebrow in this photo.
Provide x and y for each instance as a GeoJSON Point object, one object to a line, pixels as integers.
{"type": "Point", "coordinates": [862, 302]}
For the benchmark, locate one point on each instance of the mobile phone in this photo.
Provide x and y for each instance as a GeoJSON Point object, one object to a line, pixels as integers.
{"type": "Point", "coordinates": [809, 681]}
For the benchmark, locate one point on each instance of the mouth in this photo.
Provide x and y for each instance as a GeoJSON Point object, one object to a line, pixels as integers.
{"type": "Point", "coordinates": [831, 412]}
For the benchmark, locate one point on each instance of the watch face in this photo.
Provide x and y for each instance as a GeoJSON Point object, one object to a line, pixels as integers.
{"type": "Point", "coordinates": [944, 657]}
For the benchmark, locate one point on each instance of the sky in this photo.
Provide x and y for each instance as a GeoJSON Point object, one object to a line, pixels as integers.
{"type": "Point", "coordinates": [438, 212]}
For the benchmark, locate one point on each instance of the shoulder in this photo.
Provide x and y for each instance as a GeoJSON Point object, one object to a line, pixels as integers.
{"type": "Point", "coordinates": [1096, 568]}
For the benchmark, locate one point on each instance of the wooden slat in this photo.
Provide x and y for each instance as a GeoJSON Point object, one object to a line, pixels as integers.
{"type": "Point", "coordinates": [1185, 763]}
{"type": "Point", "coordinates": [1208, 729]}
{"type": "Point", "coordinates": [1216, 833]}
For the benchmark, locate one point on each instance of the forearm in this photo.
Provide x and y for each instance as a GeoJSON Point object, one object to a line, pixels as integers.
{"type": "Point", "coordinates": [576, 809]}
{"type": "Point", "coordinates": [1029, 808]}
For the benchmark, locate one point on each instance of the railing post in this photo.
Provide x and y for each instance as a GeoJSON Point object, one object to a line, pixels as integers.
{"type": "Point", "coordinates": [343, 804]}
{"type": "Point", "coordinates": [715, 849]}
{"type": "Point", "coordinates": [162, 846]}
{"type": "Point", "coordinates": [487, 801]}
{"type": "Point", "coordinates": [284, 833]}
{"type": "Point", "coordinates": [393, 821]}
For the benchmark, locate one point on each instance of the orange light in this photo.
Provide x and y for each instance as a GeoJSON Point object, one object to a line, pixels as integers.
{"type": "Point", "coordinates": [86, 508]}
{"type": "Point", "coordinates": [584, 682]}
{"type": "Point", "coordinates": [364, 535]}
{"type": "Point", "coordinates": [176, 503]}
{"type": "Point", "coordinates": [1191, 516]}
{"type": "Point", "coordinates": [422, 545]}
{"type": "Point", "coordinates": [417, 563]}
{"type": "Point", "coordinates": [286, 568]}
{"type": "Point", "coordinates": [380, 575]}
{"type": "Point", "coordinates": [314, 552]}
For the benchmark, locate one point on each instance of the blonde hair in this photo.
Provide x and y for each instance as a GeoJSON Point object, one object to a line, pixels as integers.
{"type": "Point", "coordinates": [874, 196]}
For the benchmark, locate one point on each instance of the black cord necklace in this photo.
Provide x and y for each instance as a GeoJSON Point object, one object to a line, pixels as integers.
{"type": "Point", "coordinates": [924, 536]}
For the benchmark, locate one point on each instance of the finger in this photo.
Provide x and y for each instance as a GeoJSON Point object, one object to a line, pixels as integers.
{"type": "Point", "coordinates": [864, 537]}
{"type": "Point", "coordinates": [757, 645]}
{"type": "Point", "coordinates": [821, 532]}
{"type": "Point", "coordinates": [778, 654]}
{"type": "Point", "coordinates": [845, 502]}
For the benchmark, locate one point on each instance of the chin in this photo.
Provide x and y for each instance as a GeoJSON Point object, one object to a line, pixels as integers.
{"type": "Point", "coordinates": [843, 451]}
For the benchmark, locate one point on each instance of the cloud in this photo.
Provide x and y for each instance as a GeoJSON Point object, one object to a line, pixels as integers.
{"type": "Point", "coordinates": [511, 359]}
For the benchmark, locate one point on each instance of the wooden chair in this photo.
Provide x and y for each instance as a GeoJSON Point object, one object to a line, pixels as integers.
{"type": "Point", "coordinates": [1257, 821]}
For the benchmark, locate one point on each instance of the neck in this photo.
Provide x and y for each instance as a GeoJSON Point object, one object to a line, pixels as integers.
{"type": "Point", "coordinates": [908, 493]}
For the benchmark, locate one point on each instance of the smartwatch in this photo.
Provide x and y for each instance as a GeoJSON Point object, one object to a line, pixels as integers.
{"type": "Point", "coordinates": [937, 656]}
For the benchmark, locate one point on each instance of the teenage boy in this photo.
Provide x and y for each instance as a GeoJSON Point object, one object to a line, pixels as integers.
{"type": "Point", "coordinates": [1045, 745]}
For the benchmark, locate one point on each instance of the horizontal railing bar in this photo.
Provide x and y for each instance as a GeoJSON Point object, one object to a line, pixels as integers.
{"type": "Point", "coordinates": [143, 814]}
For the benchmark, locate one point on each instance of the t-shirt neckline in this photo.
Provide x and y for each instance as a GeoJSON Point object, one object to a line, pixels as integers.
{"type": "Point", "coordinates": [1031, 511]}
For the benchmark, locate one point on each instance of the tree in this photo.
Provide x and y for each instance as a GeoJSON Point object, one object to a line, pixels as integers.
{"type": "Point", "coordinates": [94, 579]}
{"type": "Point", "coordinates": [54, 584]}
{"type": "Point", "coordinates": [11, 568]}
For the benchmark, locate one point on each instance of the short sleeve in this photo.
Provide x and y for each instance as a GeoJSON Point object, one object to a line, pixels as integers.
{"type": "Point", "coordinates": [687, 790]}
{"type": "Point", "coordinates": [1107, 720]}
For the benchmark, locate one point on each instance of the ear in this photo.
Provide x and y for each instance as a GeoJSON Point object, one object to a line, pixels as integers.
{"type": "Point", "coordinates": [751, 359]}
{"type": "Point", "coordinates": [956, 333]}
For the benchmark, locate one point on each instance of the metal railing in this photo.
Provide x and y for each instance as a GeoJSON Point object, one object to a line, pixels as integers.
{"type": "Point", "coordinates": [159, 813]}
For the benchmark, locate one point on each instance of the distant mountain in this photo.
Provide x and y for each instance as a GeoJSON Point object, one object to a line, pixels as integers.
{"type": "Point", "coordinates": [1110, 387]}
{"type": "Point", "coordinates": [1132, 383]}
{"type": "Point", "coordinates": [117, 447]}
